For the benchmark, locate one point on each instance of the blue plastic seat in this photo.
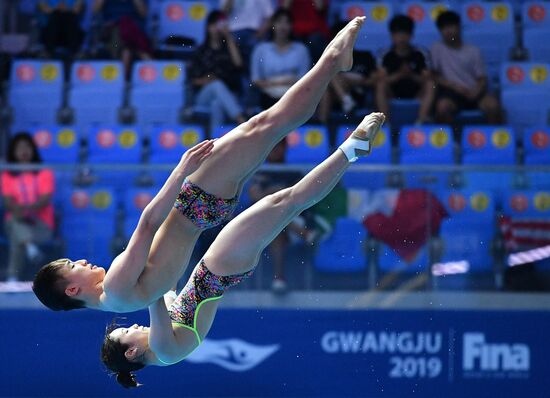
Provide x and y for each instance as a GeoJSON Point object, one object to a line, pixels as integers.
{"type": "Point", "coordinates": [97, 92]}
{"type": "Point", "coordinates": [427, 145]}
{"type": "Point", "coordinates": [88, 224]}
{"type": "Point", "coordinates": [390, 261]}
{"type": "Point", "coordinates": [424, 15]}
{"type": "Point", "coordinates": [536, 145]}
{"type": "Point", "coordinates": [343, 250]}
{"type": "Point", "coordinates": [58, 144]}
{"type": "Point", "coordinates": [135, 200]}
{"type": "Point", "coordinates": [403, 112]}
{"type": "Point", "coordinates": [470, 229]}
{"type": "Point", "coordinates": [489, 26]}
{"type": "Point", "coordinates": [536, 24]}
{"type": "Point", "coordinates": [184, 19]}
{"type": "Point", "coordinates": [307, 144]}
{"type": "Point", "coordinates": [374, 34]}
{"type": "Point", "coordinates": [526, 93]}
{"type": "Point", "coordinates": [489, 145]}
{"type": "Point", "coordinates": [114, 145]}
{"type": "Point", "coordinates": [61, 145]}
{"type": "Point", "coordinates": [169, 143]}
{"type": "Point", "coordinates": [36, 92]}
{"type": "Point", "coordinates": [381, 154]}
{"type": "Point", "coordinates": [157, 91]}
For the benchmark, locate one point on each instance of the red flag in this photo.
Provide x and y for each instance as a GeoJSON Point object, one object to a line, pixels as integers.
{"type": "Point", "coordinates": [416, 216]}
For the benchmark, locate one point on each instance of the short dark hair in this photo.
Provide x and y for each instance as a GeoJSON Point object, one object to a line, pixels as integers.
{"type": "Point", "coordinates": [49, 286]}
{"type": "Point", "coordinates": [114, 358]}
{"type": "Point", "coordinates": [402, 24]}
{"type": "Point", "coordinates": [447, 18]}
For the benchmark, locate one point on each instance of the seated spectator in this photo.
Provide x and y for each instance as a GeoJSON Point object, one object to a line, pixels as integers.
{"type": "Point", "coordinates": [460, 74]}
{"type": "Point", "coordinates": [62, 25]}
{"type": "Point", "coordinates": [27, 196]}
{"type": "Point", "coordinates": [404, 74]}
{"type": "Point", "coordinates": [350, 88]}
{"type": "Point", "coordinates": [123, 29]}
{"type": "Point", "coordinates": [249, 21]}
{"type": "Point", "coordinates": [310, 23]}
{"type": "Point", "coordinates": [279, 63]}
{"type": "Point", "coordinates": [214, 71]}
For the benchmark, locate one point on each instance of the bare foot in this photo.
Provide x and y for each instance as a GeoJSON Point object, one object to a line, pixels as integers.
{"type": "Point", "coordinates": [341, 47]}
{"type": "Point", "coordinates": [368, 129]}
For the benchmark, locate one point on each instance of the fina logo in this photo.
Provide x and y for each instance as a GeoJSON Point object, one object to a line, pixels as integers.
{"type": "Point", "coordinates": [233, 354]}
{"type": "Point", "coordinates": [479, 355]}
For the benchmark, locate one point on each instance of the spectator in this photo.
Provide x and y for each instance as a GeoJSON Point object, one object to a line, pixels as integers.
{"type": "Point", "coordinates": [215, 72]}
{"type": "Point", "coordinates": [349, 88]}
{"type": "Point", "coordinates": [404, 73]}
{"type": "Point", "coordinates": [248, 22]}
{"type": "Point", "coordinates": [460, 74]}
{"type": "Point", "coordinates": [27, 196]}
{"type": "Point", "coordinates": [310, 23]}
{"type": "Point", "coordinates": [124, 29]}
{"type": "Point", "coordinates": [62, 25]}
{"type": "Point", "coordinates": [279, 63]}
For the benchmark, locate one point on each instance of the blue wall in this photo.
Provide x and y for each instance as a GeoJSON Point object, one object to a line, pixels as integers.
{"type": "Point", "coordinates": [293, 353]}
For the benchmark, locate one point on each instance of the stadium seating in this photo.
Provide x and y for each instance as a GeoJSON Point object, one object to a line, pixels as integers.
{"type": "Point", "coordinates": [381, 155]}
{"type": "Point", "coordinates": [308, 144]}
{"type": "Point", "coordinates": [344, 250]}
{"type": "Point", "coordinates": [35, 92]}
{"type": "Point", "coordinates": [61, 145]}
{"type": "Point", "coordinates": [58, 144]}
{"type": "Point", "coordinates": [182, 22]}
{"type": "Point", "coordinates": [486, 146]}
{"type": "Point", "coordinates": [489, 26]}
{"type": "Point", "coordinates": [389, 261]}
{"type": "Point", "coordinates": [427, 145]}
{"type": "Point", "coordinates": [97, 92]}
{"type": "Point", "coordinates": [157, 93]}
{"type": "Point", "coordinates": [374, 35]}
{"type": "Point", "coordinates": [536, 25]}
{"type": "Point", "coordinates": [114, 145]}
{"type": "Point", "coordinates": [135, 200]}
{"type": "Point", "coordinates": [536, 146]}
{"type": "Point", "coordinates": [467, 238]}
{"type": "Point", "coordinates": [168, 144]}
{"type": "Point", "coordinates": [424, 14]}
{"type": "Point", "coordinates": [525, 94]}
{"type": "Point", "coordinates": [88, 224]}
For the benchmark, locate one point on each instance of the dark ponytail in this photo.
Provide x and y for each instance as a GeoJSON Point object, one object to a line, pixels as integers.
{"type": "Point", "coordinates": [112, 356]}
{"type": "Point", "coordinates": [127, 380]}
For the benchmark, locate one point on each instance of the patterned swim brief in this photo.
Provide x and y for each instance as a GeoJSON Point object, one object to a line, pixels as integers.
{"type": "Point", "coordinates": [202, 208]}
{"type": "Point", "coordinates": [202, 286]}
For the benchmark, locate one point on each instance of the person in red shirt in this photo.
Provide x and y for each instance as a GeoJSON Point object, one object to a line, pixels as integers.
{"type": "Point", "coordinates": [27, 195]}
{"type": "Point", "coordinates": [310, 23]}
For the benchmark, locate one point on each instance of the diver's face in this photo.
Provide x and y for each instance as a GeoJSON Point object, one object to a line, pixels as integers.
{"type": "Point", "coordinates": [83, 274]}
{"type": "Point", "coordinates": [134, 336]}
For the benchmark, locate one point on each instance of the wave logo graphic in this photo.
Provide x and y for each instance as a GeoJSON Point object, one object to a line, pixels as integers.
{"type": "Point", "coordinates": [232, 354]}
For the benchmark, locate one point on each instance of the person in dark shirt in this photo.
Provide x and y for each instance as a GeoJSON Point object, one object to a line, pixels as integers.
{"type": "Point", "coordinates": [123, 29]}
{"type": "Point", "coordinates": [404, 73]}
{"type": "Point", "coordinates": [214, 71]}
{"type": "Point", "coordinates": [350, 88]}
